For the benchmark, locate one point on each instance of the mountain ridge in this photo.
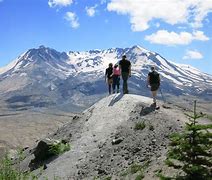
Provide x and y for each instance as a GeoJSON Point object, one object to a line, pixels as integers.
{"type": "Point", "coordinates": [78, 77]}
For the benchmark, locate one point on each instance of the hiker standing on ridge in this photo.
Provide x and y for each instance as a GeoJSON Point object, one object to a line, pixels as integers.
{"type": "Point", "coordinates": [116, 78]}
{"type": "Point", "coordinates": [125, 67]}
{"type": "Point", "coordinates": [154, 81]}
{"type": "Point", "coordinates": [108, 76]}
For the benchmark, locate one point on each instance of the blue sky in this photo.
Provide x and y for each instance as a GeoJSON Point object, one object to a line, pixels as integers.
{"type": "Point", "coordinates": [179, 30]}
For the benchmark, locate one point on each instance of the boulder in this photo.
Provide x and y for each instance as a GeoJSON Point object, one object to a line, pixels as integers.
{"type": "Point", "coordinates": [42, 152]}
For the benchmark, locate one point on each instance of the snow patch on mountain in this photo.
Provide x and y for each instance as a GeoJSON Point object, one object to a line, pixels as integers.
{"type": "Point", "coordinates": [65, 74]}
{"type": "Point", "coordinates": [11, 65]}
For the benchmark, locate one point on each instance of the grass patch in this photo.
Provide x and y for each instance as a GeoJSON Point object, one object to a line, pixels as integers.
{"type": "Point", "coordinates": [140, 126]}
{"type": "Point", "coordinates": [140, 176]}
{"type": "Point", "coordinates": [8, 172]}
{"type": "Point", "coordinates": [59, 148]}
{"type": "Point", "coordinates": [136, 168]}
{"type": "Point", "coordinates": [159, 175]}
{"type": "Point", "coordinates": [108, 178]}
{"type": "Point", "coordinates": [209, 116]}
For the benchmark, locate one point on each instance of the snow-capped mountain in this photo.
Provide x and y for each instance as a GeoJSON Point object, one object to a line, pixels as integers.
{"type": "Point", "coordinates": [44, 76]}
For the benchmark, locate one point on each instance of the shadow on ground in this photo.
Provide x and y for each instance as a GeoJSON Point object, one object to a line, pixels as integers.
{"type": "Point", "coordinates": [115, 99]}
{"type": "Point", "coordinates": [146, 110]}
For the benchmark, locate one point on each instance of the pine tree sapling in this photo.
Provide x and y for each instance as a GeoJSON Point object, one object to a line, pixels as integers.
{"type": "Point", "coordinates": [190, 151]}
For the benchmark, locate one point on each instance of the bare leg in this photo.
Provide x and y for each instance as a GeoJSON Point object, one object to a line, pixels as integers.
{"type": "Point", "coordinates": [154, 94]}
{"type": "Point", "coordinates": [109, 88]}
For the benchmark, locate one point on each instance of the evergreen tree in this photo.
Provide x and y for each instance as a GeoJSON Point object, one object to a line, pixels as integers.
{"type": "Point", "coordinates": [191, 151]}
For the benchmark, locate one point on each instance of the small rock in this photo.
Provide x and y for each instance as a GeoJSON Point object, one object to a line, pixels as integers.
{"type": "Point", "coordinates": [101, 171]}
{"type": "Point", "coordinates": [80, 172]}
{"type": "Point", "coordinates": [64, 141]}
{"type": "Point", "coordinates": [117, 141]}
{"type": "Point", "coordinates": [44, 166]}
{"type": "Point", "coordinates": [166, 107]}
{"type": "Point", "coordinates": [142, 160]}
{"type": "Point", "coordinates": [75, 117]}
{"type": "Point", "coordinates": [25, 148]}
{"type": "Point", "coordinates": [137, 149]}
{"type": "Point", "coordinates": [154, 140]}
{"type": "Point", "coordinates": [127, 157]}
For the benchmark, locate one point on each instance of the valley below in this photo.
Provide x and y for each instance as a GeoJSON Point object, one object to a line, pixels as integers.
{"type": "Point", "coordinates": [50, 95]}
{"type": "Point", "coordinates": [22, 129]}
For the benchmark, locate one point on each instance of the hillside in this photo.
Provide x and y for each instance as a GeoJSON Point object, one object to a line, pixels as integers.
{"type": "Point", "coordinates": [104, 141]}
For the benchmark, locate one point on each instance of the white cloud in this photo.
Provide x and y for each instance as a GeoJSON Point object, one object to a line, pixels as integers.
{"type": "Point", "coordinates": [193, 54]}
{"type": "Point", "coordinates": [173, 12]}
{"type": "Point", "coordinates": [72, 18]}
{"type": "Point", "coordinates": [53, 3]}
{"type": "Point", "coordinates": [91, 11]}
{"type": "Point", "coordinates": [172, 38]}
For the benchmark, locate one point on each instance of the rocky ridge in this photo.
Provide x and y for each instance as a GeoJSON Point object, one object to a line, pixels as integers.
{"type": "Point", "coordinates": [104, 141]}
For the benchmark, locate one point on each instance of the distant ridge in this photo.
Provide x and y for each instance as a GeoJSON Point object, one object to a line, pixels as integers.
{"type": "Point", "coordinates": [76, 79]}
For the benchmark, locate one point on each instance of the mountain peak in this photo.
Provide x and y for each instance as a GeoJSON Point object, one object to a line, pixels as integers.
{"type": "Point", "coordinates": [137, 47]}
{"type": "Point", "coordinates": [43, 53]}
{"type": "Point", "coordinates": [42, 47]}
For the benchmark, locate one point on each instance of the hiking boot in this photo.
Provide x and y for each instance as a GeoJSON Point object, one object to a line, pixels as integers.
{"type": "Point", "coordinates": [117, 90]}
{"type": "Point", "coordinates": [153, 105]}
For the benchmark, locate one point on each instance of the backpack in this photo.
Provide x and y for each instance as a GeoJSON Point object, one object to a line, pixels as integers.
{"type": "Point", "coordinates": [154, 78]}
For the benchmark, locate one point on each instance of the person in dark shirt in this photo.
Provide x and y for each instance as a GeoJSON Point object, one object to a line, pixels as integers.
{"type": "Point", "coordinates": [109, 77]}
{"type": "Point", "coordinates": [125, 67]}
{"type": "Point", "coordinates": [154, 81]}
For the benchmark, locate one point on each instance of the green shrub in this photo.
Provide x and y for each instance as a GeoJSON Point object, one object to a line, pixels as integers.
{"type": "Point", "coordinates": [140, 126]}
{"type": "Point", "coordinates": [209, 116]}
{"type": "Point", "coordinates": [140, 176]}
{"type": "Point", "coordinates": [135, 168]}
{"type": "Point", "coordinates": [8, 172]}
{"type": "Point", "coordinates": [108, 178]}
{"type": "Point", "coordinates": [59, 148]}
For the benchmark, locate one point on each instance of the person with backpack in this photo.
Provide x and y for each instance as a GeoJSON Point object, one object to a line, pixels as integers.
{"type": "Point", "coordinates": [125, 68]}
{"type": "Point", "coordinates": [154, 81]}
{"type": "Point", "coordinates": [109, 77]}
{"type": "Point", "coordinates": [116, 78]}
